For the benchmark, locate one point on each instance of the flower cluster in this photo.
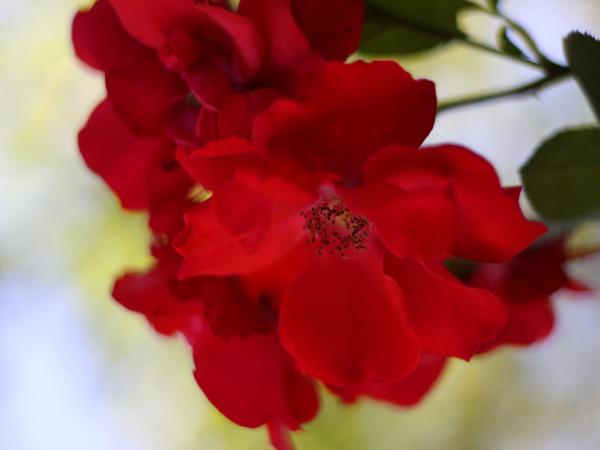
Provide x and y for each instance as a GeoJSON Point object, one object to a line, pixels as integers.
{"type": "Point", "coordinates": [303, 234]}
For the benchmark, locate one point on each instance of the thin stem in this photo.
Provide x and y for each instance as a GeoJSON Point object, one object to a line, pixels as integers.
{"type": "Point", "coordinates": [542, 60]}
{"type": "Point", "coordinates": [279, 436]}
{"type": "Point", "coordinates": [528, 88]}
{"type": "Point", "coordinates": [481, 46]}
{"type": "Point", "coordinates": [459, 36]}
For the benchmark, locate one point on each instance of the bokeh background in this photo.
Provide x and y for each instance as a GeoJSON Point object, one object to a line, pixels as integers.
{"type": "Point", "coordinates": [78, 372]}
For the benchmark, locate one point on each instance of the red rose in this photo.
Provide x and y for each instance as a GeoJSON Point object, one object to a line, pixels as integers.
{"type": "Point", "coordinates": [339, 180]}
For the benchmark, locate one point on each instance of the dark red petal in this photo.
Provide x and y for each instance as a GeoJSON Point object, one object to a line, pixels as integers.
{"type": "Point", "coordinates": [101, 41]}
{"type": "Point", "coordinates": [407, 392]}
{"type": "Point", "coordinates": [333, 27]}
{"type": "Point", "coordinates": [448, 318]}
{"type": "Point", "coordinates": [145, 94]}
{"type": "Point", "coordinates": [210, 248]}
{"type": "Point", "coordinates": [528, 322]}
{"type": "Point", "coordinates": [416, 223]}
{"type": "Point", "coordinates": [344, 322]}
{"type": "Point", "coordinates": [284, 40]}
{"type": "Point", "coordinates": [252, 380]}
{"type": "Point", "coordinates": [149, 294]}
{"type": "Point", "coordinates": [169, 197]}
{"type": "Point", "coordinates": [210, 84]}
{"type": "Point", "coordinates": [344, 113]}
{"type": "Point", "coordinates": [119, 156]}
{"type": "Point", "coordinates": [230, 311]}
{"type": "Point", "coordinates": [535, 273]}
{"type": "Point", "coordinates": [239, 111]}
{"type": "Point", "coordinates": [153, 22]}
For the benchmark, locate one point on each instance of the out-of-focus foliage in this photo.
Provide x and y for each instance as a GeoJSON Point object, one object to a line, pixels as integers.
{"type": "Point", "coordinates": [398, 27]}
{"type": "Point", "coordinates": [583, 53]}
{"type": "Point", "coordinates": [507, 45]}
{"type": "Point", "coordinates": [562, 179]}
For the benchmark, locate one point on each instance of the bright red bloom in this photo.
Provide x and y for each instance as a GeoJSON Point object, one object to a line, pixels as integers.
{"type": "Point", "coordinates": [379, 216]}
{"type": "Point", "coordinates": [320, 254]}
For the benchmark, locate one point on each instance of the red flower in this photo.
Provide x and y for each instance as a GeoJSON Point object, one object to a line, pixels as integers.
{"type": "Point", "coordinates": [378, 214]}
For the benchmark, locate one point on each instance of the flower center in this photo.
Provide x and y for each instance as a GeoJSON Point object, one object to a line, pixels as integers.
{"type": "Point", "coordinates": [333, 227]}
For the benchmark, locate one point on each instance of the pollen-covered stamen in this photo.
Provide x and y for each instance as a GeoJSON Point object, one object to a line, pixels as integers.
{"type": "Point", "coordinates": [331, 225]}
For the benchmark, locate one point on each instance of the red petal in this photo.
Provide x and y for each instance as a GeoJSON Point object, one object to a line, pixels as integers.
{"type": "Point", "coordinates": [333, 27]}
{"type": "Point", "coordinates": [169, 189]}
{"type": "Point", "coordinates": [101, 41]}
{"type": "Point", "coordinates": [345, 113]}
{"type": "Point", "coordinates": [416, 223]}
{"type": "Point", "coordinates": [449, 318]}
{"type": "Point", "coordinates": [239, 111]}
{"type": "Point", "coordinates": [217, 161]}
{"type": "Point", "coordinates": [535, 273]}
{"type": "Point", "coordinates": [491, 226]}
{"type": "Point", "coordinates": [145, 94]}
{"type": "Point", "coordinates": [252, 380]}
{"type": "Point", "coordinates": [407, 392]}
{"type": "Point", "coordinates": [407, 168]}
{"type": "Point", "coordinates": [120, 157]}
{"type": "Point", "coordinates": [150, 294]}
{"type": "Point", "coordinates": [528, 322]}
{"type": "Point", "coordinates": [210, 248]}
{"type": "Point", "coordinates": [153, 22]}
{"type": "Point", "coordinates": [243, 212]}
{"type": "Point", "coordinates": [211, 85]}
{"type": "Point", "coordinates": [230, 311]}
{"type": "Point", "coordinates": [344, 322]}
{"type": "Point", "coordinates": [285, 41]}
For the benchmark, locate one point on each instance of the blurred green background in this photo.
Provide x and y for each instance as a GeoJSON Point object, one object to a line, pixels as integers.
{"type": "Point", "coordinates": [78, 372]}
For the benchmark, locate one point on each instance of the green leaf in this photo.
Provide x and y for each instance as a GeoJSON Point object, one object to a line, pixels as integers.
{"type": "Point", "coordinates": [562, 178]}
{"type": "Point", "coordinates": [493, 4]}
{"type": "Point", "coordinates": [507, 45]}
{"type": "Point", "coordinates": [583, 54]}
{"type": "Point", "coordinates": [394, 27]}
